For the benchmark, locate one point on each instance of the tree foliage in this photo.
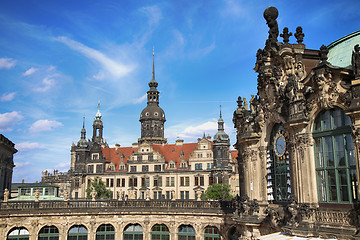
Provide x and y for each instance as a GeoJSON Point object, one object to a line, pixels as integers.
{"type": "Point", "coordinates": [100, 189]}
{"type": "Point", "coordinates": [217, 191]}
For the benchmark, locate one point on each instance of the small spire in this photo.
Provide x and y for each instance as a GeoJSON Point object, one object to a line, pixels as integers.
{"type": "Point", "coordinates": [98, 114]}
{"type": "Point", "coordinates": [220, 110]}
{"type": "Point", "coordinates": [153, 73]}
{"type": "Point", "coordinates": [84, 121]}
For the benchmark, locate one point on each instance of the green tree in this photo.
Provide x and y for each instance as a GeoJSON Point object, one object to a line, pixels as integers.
{"type": "Point", "coordinates": [100, 189]}
{"type": "Point", "coordinates": [217, 191]}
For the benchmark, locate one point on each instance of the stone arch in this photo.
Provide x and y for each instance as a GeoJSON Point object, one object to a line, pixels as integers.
{"type": "Point", "coordinates": [21, 231]}
{"type": "Point", "coordinates": [217, 229]}
{"type": "Point", "coordinates": [79, 233]}
{"type": "Point", "coordinates": [106, 225]}
{"type": "Point", "coordinates": [46, 225]}
{"type": "Point", "coordinates": [134, 232]}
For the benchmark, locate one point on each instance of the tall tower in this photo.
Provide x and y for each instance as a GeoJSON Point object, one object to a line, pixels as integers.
{"type": "Point", "coordinates": [152, 118]}
{"type": "Point", "coordinates": [221, 152]}
{"type": "Point", "coordinates": [98, 127]}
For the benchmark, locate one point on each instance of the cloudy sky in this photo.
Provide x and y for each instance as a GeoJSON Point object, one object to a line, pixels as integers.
{"type": "Point", "coordinates": [59, 58]}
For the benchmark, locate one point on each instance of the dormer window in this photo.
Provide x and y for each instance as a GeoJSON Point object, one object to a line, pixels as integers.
{"type": "Point", "coordinates": [95, 156]}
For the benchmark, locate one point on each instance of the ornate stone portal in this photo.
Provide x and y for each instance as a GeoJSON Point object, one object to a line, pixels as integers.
{"type": "Point", "coordinates": [298, 125]}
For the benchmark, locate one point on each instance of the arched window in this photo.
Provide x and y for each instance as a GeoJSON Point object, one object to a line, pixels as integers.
{"type": "Point", "coordinates": [233, 234]}
{"type": "Point", "coordinates": [133, 232]}
{"type": "Point", "coordinates": [78, 232]}
{"type": "Point", "coordinates": [186, 232]}
{"type": "Point", "coordinates": [160, 232]}
{"type": "Point", "coordinates": [334, 156]}
{"type": "Point", "coordinates": [18, 234]}
{"type": "Point", "coordinates": [105, 231]}
{"type": "Point", "coordinates": [211, 233]}
{"type": "Point", "coordinates": [278, 177]}
{"type": "Point", "coordinates": [49, 233]}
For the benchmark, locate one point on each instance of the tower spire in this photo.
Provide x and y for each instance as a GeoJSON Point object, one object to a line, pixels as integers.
{"type": "Point", "coordinates": [83, 130]}
{"type": "Point", "coordinates": [98, 114]}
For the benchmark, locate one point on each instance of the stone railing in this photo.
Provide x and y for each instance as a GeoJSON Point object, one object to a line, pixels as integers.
{"type": "Point", "coordinates": [139, 205]}
{"type": "Point", "coordinates": [332, 216]}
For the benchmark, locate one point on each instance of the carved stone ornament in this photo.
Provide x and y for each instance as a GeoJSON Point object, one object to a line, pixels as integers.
{"type": "Point", "coordinates": [270, 15]}
{"type": "Point", "coordinates": [299, 35]}
{"type": "Point", "coordinates": [286, 34]}
{"type": "Point", "coordinates": [354, 217]}
{"type": "Point", "coordinates": [93, 194]}
{"type": "Point", "coordinates": [326, 90]}
{"type": "Point", "coordinates": [6, 195]}
{"type": "Point", "coordinates": [355, 61]}
{"type": "Point", "coordinates": [323, 53]}
{"type": "Point", "coordinates": [37, 195]}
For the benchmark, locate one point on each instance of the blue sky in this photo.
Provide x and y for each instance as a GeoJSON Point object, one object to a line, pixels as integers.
{"type": "Point", "coordinates": [59, 58]}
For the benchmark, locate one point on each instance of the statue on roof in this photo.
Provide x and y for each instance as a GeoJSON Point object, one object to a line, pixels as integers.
{"type": "Point", "coordinates": [286, 35]}
{"type": "Point", "coordinates": [299, 35]}
{"type": "Point", "coordinates": [270, 15]}
{"type": "Point", "coordinates": [355, 61]}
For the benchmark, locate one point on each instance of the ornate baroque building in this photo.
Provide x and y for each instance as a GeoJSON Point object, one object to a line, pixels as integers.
{"type": "Point", "coordinates": [150, 168]}
{"type": "Point", "coordinates": [7, 151]}
{"type": "Point", "coordinates": [299, 141]}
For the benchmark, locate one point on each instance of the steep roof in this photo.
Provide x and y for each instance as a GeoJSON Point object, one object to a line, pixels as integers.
{"type": "Point", "coordinates": [167, 151]}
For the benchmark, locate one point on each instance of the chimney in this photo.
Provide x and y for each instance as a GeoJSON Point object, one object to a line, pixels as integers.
{"type": "Point", "coordinates": [117, 146]}
{"type": "Point", "coordinates": [179, 142]}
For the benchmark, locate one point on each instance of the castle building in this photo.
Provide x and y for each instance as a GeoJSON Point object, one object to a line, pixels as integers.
{"type": "Point", "coordinates": [299, 143]}
{"type": "Point", "coordinates": [150, 168]}
{"type": "Point", "coordinates": [7, 151]}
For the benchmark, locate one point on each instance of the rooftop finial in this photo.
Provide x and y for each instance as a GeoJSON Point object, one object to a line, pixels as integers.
{"type": "Point", "coordinates": [220, 110]}
{"type": "Point", "coordinates": [153, 73]}
{"type": "Point", "coordinates": [84, 121]}
{"type": "Point", "coordinates": [98, 114]}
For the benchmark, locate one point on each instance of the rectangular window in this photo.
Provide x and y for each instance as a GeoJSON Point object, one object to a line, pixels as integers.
{"type": "Point", "coordinates": [157, 168]}
{"type": "Point", "coordinates": [184, 195]}
{"type": "Point", "coordinates": [210, 180]}
{"type": "Point", "coordinates": [107, 182]}
{"type": "Point", "coordinates": [112, 182]}
{"type": "Point", "coordinates": [167, 195]}
{"type": "Point", "coordinates": [123, 182]}
{"type": "Point", "coordinates": [145, 168]}
{"type": "Point", "coordinates": [157, 181]}
{"type": "Point", "coordinates": [157, 195]}
{"type": "Point", "coordinates": [118, 182]}
{"type": "Point", "coordinates": [196, 181]}
{"type": "Point", "coordinates": [133, 169]}
{"type": "Point", "coordinates": [131, 182]}
{"type": "Point", "coordinates": [172, 182]}
{"type": "Point", "coordinates": [187, 181]}
{"type": "Point", "coordinates": [167, 182]}
{"type": "Point", "coordinates": [135, 182]}
{"type": "Point", "coordinates": [201, 181]}
{"type": "Point", "coordinates": [90, 168]}
{"type": "Point", "coordinates": [182, 181]}
{"type": "Point", "coordinates": [198, 166]}
{"type": "Point", "coordinates": [99, 168]}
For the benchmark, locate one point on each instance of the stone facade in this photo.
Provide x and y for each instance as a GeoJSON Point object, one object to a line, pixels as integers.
{"type": "Point", "coordinates": [119, 214]}
{"type": "Point", "coordinates": [7, 151]}
{"type": "Point", "coordinates": [298, 142]}
{"type": "Point", "coordinates": [150, 168]}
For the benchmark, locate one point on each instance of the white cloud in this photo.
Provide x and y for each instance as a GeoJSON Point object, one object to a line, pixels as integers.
{"type": "Point", "coordinates": [29, 71]}
{"type": "Point", "coordinates": [233, 8]}
{"type": "Point", "coordinates": [200, 52]}
{"type": "Point", "coordinates": [114, 68]}
{"type": "Point", "coordinates": [99, 76]}
{"type": "Point", "coordinates": [140, 99]}
{"type": "Point", "coordinates": [193, 131]}
{"type": "Point", "coordinates": [7, 97]}
{"type": "Point", "coordinates": [28, 146]}
{"type": "Point", "coordinates": [21, 164]}
{"type": "Point", "coordinates": [7, 63]}
{"type": "Point", "coordinates": [48, 83]}
{"type": "Point", "coordinates": [153, 13]}
{"type": "Point", "coordinates": [64, 165]}
{"type": "Point", "coordinates": [7, 120]}
{"type": "Point", "coordinates": [44, 125]}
